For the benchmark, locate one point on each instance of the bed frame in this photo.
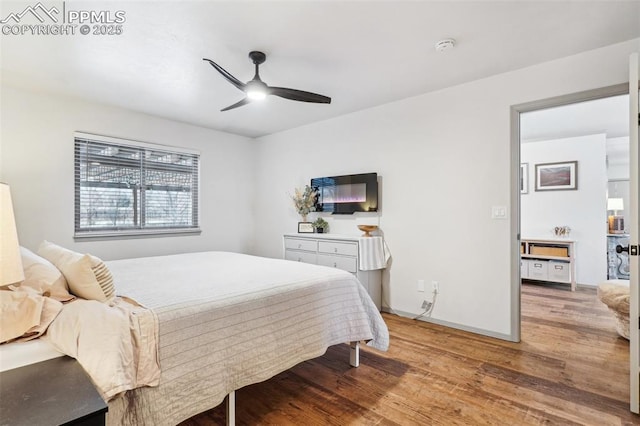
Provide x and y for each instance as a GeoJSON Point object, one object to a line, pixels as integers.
{"type": "Point", "coordinates": [354, 361]}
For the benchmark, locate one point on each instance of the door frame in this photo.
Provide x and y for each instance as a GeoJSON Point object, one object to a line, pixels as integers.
{"type": "Point", "coordinates": [516, 110]}
{"type": "Point", "coordinates": [634, 327]}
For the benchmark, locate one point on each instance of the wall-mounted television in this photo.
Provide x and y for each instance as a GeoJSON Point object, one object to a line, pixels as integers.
{"type": "Point", "coordinates": [347, 194]}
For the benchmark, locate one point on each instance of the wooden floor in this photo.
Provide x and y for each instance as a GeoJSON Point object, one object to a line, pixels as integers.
{"type": "Point", "coordinates": [570, 368]}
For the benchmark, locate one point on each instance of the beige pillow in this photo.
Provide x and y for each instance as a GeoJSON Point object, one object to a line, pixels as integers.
{"type": "Point", "coordinates": [19, 312]}
{"type": "Point", "coordinates": [42, 276]}
{"type": "Point", "coordinates": [88, 277]}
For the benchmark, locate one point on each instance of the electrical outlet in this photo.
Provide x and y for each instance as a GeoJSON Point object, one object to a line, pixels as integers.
{"type": "Point", "coordinates": [421, 285]}
{"type": "Point", "coordinates": [426, 305]}
{"type": "Point", "coordinates": [436, 286]}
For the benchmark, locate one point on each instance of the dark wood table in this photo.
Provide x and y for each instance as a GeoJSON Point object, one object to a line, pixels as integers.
{"type": "Point", "coordinates": [53, 392]}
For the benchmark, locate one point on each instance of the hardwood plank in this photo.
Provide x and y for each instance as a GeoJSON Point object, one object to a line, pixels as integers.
{"type": "Point", "coordinates": [570, 368]}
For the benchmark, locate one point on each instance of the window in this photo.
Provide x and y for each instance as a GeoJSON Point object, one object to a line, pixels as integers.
{"type": "Point", "coordinates": [131, 188]}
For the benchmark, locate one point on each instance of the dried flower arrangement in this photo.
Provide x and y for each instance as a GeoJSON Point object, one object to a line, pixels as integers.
{"type": "Point", "coordinates": [304, 200]}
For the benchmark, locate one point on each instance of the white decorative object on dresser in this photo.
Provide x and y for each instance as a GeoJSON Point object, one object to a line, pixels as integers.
{"type": "Point", "coordinates": [364, 257]}
{"type": "Point", "coordinates": [551, 259]}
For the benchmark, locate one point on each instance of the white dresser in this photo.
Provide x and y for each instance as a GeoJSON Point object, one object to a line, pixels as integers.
{"type": "Point", "coordinates": [336, 251]}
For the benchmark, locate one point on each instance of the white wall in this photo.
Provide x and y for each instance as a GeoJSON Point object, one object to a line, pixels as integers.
{"type": "Point", "coordinates": [444, 158]}
{"type": "Point", "coordinates": [618, 158]}
{"type": "Point", "coordinates": [583, 210]}
{"type": "Point", "coordinates": [37, 162]}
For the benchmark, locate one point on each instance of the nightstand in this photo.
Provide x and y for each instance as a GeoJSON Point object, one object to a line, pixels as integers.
{"type": "Point", "coordinates": [53, 392]}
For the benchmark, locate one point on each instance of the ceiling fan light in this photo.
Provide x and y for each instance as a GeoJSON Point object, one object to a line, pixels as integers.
{"type": "Point", "coordinates": [256, 90]}
{"type": "Point", "coordinates": [256, 94]}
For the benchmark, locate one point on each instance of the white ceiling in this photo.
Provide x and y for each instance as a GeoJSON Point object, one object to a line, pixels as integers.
{"type": "Point", "coordinates": [608, 115]}
{"type": "Point", "coordinates": [361, 53]}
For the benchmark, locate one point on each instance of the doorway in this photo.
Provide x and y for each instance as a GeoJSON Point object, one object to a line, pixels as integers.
{"type": "Point", "coordinates": [575, 164]}
{"type": "Point", "coordinates": [517, 113]}
{"type": "Point", "coordinates": [603, 151]}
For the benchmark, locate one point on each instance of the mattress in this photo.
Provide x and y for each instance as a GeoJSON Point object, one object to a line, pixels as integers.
{"type": "Point", "coordinates": [227, 320]}
{"type": "Point", "coordinates": [19, 354]}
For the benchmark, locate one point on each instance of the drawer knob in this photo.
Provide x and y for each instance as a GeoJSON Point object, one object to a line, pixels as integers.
{"type": "Point", "coordinates": [299, 245]}
{"type": "Point", "coordinates": [335, 265]}
{"type": "Point", "coordinates": [335, 249]}
{"type": "Point", "coordinates": [299, 259]}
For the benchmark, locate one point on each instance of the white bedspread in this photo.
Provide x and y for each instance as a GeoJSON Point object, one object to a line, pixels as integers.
{"type": "Point", "coordinates": [229, 320]}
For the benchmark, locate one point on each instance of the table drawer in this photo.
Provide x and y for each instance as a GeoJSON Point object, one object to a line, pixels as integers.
{"type": "Point", "coordinates": [300, 244]}
{"type": "Point", "coordinates": [348, 264]}
{"type": "Point", "coordinates": [300, 256]}
{"type": "Point", "coordinates": [335, 247]}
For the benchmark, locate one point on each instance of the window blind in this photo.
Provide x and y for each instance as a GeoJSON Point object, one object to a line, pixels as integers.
{"type": "Point", "coordinates": [127, 188]}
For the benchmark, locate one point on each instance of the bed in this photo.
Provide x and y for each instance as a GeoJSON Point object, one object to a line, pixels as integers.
{"type": "Point", "coordinates": [221, 321]}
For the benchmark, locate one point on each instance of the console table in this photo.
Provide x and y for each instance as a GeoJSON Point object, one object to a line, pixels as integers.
{"type": "Point", "coordinates": [342, 252]}
{"type": "Point", "coordinates": [548, 260]}
{"type": "Point", "coordinates": [53, 392]}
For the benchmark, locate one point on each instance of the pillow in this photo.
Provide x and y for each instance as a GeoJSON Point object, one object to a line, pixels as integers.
{"type": "Point", "coordinates": [43, 277]}
{"type": "Point", "coordinates": [19, 312]}
{"type": "Point", "coordinates": [88, 277]}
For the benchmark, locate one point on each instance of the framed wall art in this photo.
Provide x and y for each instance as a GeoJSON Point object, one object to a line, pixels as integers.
{"type": "Point", "coordinates": [557, 176]}
{"type": "Point", "coordinates": [524, 178]}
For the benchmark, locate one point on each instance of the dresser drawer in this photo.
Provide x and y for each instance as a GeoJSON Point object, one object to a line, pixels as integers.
{"type": "Point", "coordinates": [300, 244]}
{"type": "Point", "coordinates": [300, 256]}
{"type": "Point", "coordinates": [348, 264]}
{"type": "Point", "coordinates": [335, 247]}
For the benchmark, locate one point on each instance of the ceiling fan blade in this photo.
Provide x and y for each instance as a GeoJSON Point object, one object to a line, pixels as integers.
{"type": "Point", "coordinates": [231, 79]}
{"type": "Point", "coordinates": [299, 95]}
{"type": "Point", "coordinates": [237, 104]}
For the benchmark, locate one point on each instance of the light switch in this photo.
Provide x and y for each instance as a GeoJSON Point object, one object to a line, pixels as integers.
{"type": "Point", "coordinates": [498, 212]}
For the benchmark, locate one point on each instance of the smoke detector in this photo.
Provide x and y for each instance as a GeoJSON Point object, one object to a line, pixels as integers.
{"type": "Point", "coordinates": [445, 44]}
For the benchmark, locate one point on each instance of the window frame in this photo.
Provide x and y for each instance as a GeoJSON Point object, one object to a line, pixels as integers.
{"type": "Point", "coordinates": [140, 230]}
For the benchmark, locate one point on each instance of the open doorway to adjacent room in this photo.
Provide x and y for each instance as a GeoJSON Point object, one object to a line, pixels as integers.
{"type": "Point", "coordinates": [574, 164]}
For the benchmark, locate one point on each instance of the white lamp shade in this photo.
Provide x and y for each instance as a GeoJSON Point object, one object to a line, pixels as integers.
{"type": "Point", "coordinates": [615, 204]}
{"type": "Point", "coordinates": [10, 262]}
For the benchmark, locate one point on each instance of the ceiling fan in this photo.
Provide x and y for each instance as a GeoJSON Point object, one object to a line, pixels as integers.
{"type": "Point", "coordinates": [256, 89]}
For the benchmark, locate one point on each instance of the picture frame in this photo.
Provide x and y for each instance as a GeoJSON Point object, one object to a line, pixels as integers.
{"type": "Point", "coordinates": [305, 228]}
{"type": "Point", "coordinates": [561, 176]}
{"type": "Point", "coordinates": [524, 178]}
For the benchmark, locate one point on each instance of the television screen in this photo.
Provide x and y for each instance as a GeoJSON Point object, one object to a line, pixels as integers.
{"type": "Point", "coordinates": [347, 194]}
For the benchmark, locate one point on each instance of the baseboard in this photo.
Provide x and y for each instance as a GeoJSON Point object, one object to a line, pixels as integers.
{"type": "Point", "coordinates": [457, 326]}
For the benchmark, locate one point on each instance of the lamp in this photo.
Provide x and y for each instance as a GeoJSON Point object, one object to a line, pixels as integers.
{"type": "Point", "coordinates": [10, 261]}
{"type": "Point", "coordinates": [616, 222]}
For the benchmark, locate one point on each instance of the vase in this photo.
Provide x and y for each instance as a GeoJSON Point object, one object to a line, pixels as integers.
{"type": "Point", "coordinates": [304, 217]}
